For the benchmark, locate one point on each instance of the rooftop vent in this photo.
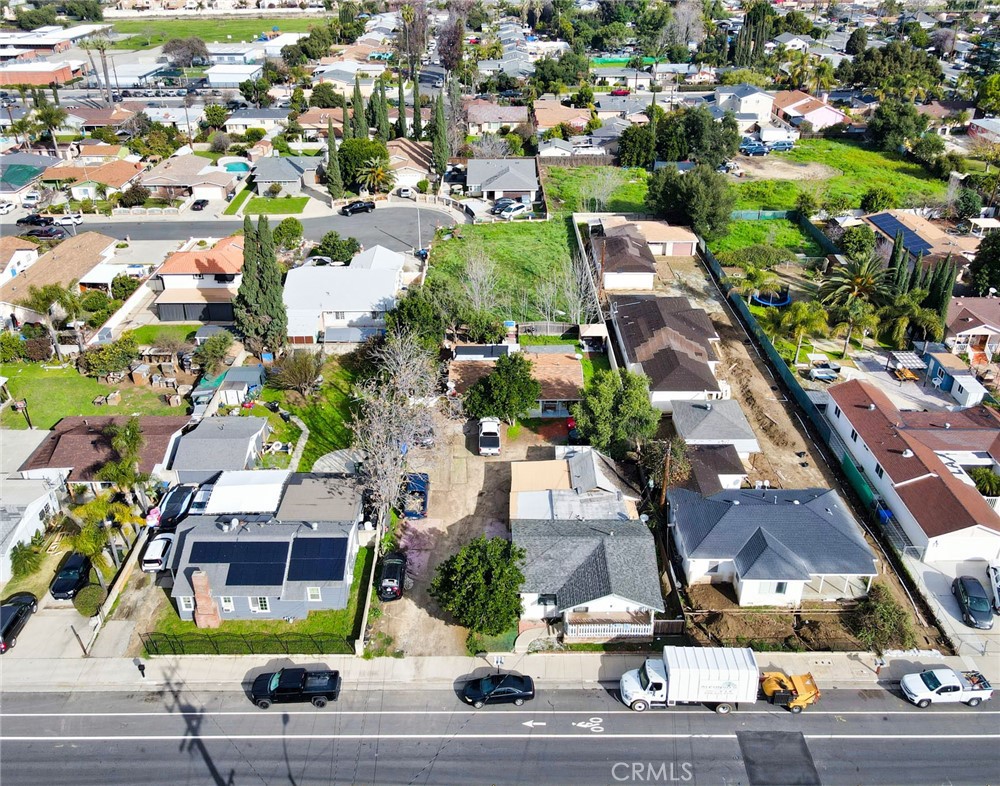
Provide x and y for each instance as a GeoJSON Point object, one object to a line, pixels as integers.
{"type": "Point", "coordinates": [907, 453]}
{"type": "Point", "coordinates": [947, 425]}
{"type": "Point", "coordinates": [796, 502]}
{"type": "Point", "coordinates": [871, 407]}
{"type": "Point", "coordinates": [314, 526]}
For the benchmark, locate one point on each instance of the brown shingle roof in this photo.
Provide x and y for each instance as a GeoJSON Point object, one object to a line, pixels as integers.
{"type": "Point", "coordinates": [79, 443]}
{"type": "Point", "coordinates": [480, 111]}
{"type": "Point", "coordinates": [405, 153]}
{"type": "Point", "coordinates": [69, 261]}
{"type": "Point", "coordinates": [966, 313]}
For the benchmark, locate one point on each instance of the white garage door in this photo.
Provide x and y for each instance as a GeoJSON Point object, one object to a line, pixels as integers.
{"type": "Point", "coordinates": [207, 192]}
{"type": "Point", "coordinates": [683, 249]}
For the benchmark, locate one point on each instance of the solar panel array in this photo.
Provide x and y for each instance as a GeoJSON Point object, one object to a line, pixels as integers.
{"type": "Point", "coordinates": [318, 559]}
{"type": "Point", "coordinates": [251, 562]}
{"type": "Point", "coordinates": [891, 227]}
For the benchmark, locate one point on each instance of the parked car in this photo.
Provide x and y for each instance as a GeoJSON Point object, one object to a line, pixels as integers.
{"type": "Point", "coordinates": [72, 577]}
{"type": "Point", "coordinates": [392, 577]}
{"type": "Point", "coordinates": [199, 204]}
{"type": "Point", "coordinates": [157, 554]}
{"type": "Point", "coordinates": [489, 437]}
{"type": "Point", "coordinates": [14, 613]}
{"type": "Point", "coordinates": [418, 488]}
{"type": "Point", "coordinates": [31, 199]}
{"type": "Point", "coordinates": [973, 601]}
{"type": "Point", "coordinates": [513, 211]}
{"type": "Point", "coordinates": [507, 688]}
{"type": "Point", "coordinates": [406, 192]}
{"type": "Point", "coordinates": [6, 207]}
{"type": "Point", "coordinates": [72, 219]}
{"type": "Point", "coordinates": [511, 94]}
{"type": "Point", "coordinates": [295, 685]}
{"type": "Point", "coordinates": [35, 220]}
{"type": "Point", "coordinates": [172, 508]}
{"type": "Point", "coordinates": [46, 233]}
{"type": "Point", "coordinates": [781, 146]}
{"type": "Point", "coordinates": [823, 375]}
{"type": "Point", "coordinates": [754, 150]}
{"type": "Point", "coordinates": [993, 574]}
{"type": "Point", "coordinates": [358, 206]}
{"type": "Point", "coordinates": [621, 91]}
{"type": "Point", "coordinates": [946, 686]}
{"type": "Point", "coordinates": [500, 204]}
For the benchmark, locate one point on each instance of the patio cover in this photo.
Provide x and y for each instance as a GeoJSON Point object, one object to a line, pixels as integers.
{"type": "Point", "coordinates": [908, 360]}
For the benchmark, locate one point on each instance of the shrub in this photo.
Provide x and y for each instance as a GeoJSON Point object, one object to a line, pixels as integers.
{"type": "Point", "coordinates": [33, 330]}
{"type": "Point", "coordinates": [758, 255]}
{"type": "Point", "coordinates": [123, 286]}
{"type": "Point", "coordinates": [483, 328]}
{"type": "Point", "coordinates": [113, 356]}
{"type": "Point", "coordinates": [25, 559]}
{"type": "Point", "coordinates": [38, 349]}
{"type": "Point", "coordinates": [135, 196]}
{"type": "Point", "coordinates": [288, 234]}
{"type": "Point", "coordinates": [220, 142]}
{"type": "Point", "coordinates": [857, 241]}
{"type": "Point", "coordinates": [88, 600]}
{"type": "Point", "coordinates": [423, 186]}
{"type": "Point", "coordinates": [273, 190]}
{"type": "Point", "coordinates": [11, 347]}
{"type": "Point", "coordinates": [95, 300]}
{"type": "Point", "coordinates": [881, 623]}
{"type": "Point", "coordinates": [876, 200]}
{"type": "Point", "coordinates": [254, 135]}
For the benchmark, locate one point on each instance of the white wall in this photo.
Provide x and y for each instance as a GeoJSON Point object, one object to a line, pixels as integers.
{"type": "Point", "coordinates": [19, 262]}
{"type": "Point", "coordinates": [532, 610]}
{"type": "Point", "coordinates": [189, 281]}
{"type": "Point", "coordinates": [628, 281]}
{"type": "Point", "coordinates": [696, 571]}
{"type": "Point", "coordinates": [32, 521]}
{"type": "Point", "coordinates": [762, 593]}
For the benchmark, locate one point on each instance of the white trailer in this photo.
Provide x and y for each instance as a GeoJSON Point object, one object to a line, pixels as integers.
{"type": "Point", "coordinates": [723, 677]}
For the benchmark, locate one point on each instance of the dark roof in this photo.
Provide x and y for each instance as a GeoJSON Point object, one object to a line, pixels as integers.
{"type": "Point", "coordinates": [778, 535]}
{"type": "Point", "coordinates": [320, 496]}
{"type": "Point", "coordinates": [624, 250]}
{"type": "Point", "coordinates": [710, 461]}
{"type": "Point", "coordinates": [581, 561]}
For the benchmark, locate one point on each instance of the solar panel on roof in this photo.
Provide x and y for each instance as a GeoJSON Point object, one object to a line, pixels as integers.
{"type": "Point", "coordinates": [249, 574]}
{"type": "Point", "coordinates": [318, 559]}
{"type": "Point", "coordinates": [263, 551]}
{"type": "Point", "coordinates": [892, 226]}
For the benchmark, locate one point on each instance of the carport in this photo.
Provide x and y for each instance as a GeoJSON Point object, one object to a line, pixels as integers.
{"type": "Point", "coordinates": [195, 305]}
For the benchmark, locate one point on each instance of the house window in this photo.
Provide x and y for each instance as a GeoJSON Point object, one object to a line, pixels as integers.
{"type": "Point", "coordinates": [227, 603]}
{"type": "Point", "coordinates": [186, 603]}
{"type": "Point", "coordinates": [878, 470]}
{"type": "Point", "coordinates": [225, 278]}
{"type": "Point", "coordinates": [314, 594]}
{"type": "Point", "coordinates": [260, 604]}
{"type": "Point", "coordinates": [581, 610]}
{"type": "Point", "coordinates": [780, 587]}
{"type": "Point", "coordinates": [198, 276]}
{"type": "Point", "coordinates": [546, 600]}
{"type": "Point", "coordinates": [713, 567]}
{"type": "Point", "coordinates": [548, 407]}
{"type": "Point", "coordinates": [836, 412]}
{"type": "Point", "coordinates": [376, 314]}
{"type": "Point", "coordinates": [854, 435]}
{"type": "Point", "coordinates": [338, 315]}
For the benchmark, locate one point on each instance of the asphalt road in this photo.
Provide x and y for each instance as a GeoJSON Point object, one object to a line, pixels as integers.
{"type": "Point", "coordinates": [384, 736]}
{"type": "Point", "coordinates": [394, 228]}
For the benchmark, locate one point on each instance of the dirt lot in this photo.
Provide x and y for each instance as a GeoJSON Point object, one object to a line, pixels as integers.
{"type": "Point", "coordinates": [469, 497]}
{"type": "Point", "coordinates": [777, 168]}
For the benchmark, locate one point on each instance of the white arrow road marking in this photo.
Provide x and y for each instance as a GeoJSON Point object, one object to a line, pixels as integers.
{"type": "Point", "coordinates": [531, 724]}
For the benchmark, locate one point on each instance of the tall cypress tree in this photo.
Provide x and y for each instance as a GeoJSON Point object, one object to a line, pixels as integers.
{"type": "Point", "coordinates": [334, 180]}
{"type": "Point", "coordinates": [274, 316]}
{"type": "Point", "coordinates": [401, 120]}
{"type": "Point", "coordinates": [347, 123]}
{"type": "Point", "coordinates": [899, 264]}
{"type": "Point", "coordinates": [418, 121]}
{"type": "Point", "coordinates": [384, 127]}
{"type": "Point", "coordinates": [246, 314]}
{"type": "Point", "coordinates": [948, 288]}
{"type": "Point", "coordinates": [358, 112]}
{"type": "Point", "coordinates": [371, 110]}
{"type": "Point", "coordinates": [440, 146]}
{"type": "Point", "coordinates": [934, 285]}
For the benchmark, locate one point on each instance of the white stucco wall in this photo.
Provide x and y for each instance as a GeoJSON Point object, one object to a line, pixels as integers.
{"type": "Point", "coordinates": [762, 593]}
{"type": "Point", "coordinates": [628, 281]}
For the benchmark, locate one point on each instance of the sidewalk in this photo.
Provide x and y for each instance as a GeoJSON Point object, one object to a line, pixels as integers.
{"type": "Point", "coordinates": [552, 671]}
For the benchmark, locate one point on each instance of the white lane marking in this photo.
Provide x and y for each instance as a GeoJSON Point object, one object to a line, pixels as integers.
{"type": "Point", "coordinates": [531, 724]}
{"type": "Point", "coordinates": [518, 736]}
{"type": "Point", "coordinates": [916, 713]}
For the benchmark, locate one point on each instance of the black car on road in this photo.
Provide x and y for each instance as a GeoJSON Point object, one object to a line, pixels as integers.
{"type": "Point", "coordinates": [72, 577]}
{"type": "Point", "coordinates": [46, 233]}
{"type": "Point", "coordinates": [358, 206]}
{"type": "Point", "coordinates": [499, 689]}
{"type": "Point", "coordinates": [199, 204]}
{"type": "Point", "coordinates": [974, 602]}
{"type": "Point", "coordinates": [390, 584]}
{"type": "Point", "coordinates": [35, 220]}
{"type": "Point", "coordinates": [14, 613]}
{"type": "Point", "coordinates": [290, 686]}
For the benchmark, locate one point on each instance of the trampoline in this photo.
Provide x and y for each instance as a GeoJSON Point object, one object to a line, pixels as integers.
{"type": "Point", "coordinates": [772, 299]}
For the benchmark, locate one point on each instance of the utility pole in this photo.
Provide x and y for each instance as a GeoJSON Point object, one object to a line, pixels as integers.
{"type": "Point", "coordinates": [666, 474]}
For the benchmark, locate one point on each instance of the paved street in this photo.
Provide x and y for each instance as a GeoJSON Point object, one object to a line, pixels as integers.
{"type": "Point", "coordinates": [380, 735]}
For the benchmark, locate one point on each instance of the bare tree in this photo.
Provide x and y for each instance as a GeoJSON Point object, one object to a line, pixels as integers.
{"type": "Point", "coordinates": [406, 368]}
{"type": "Point", "coordinates": [602, 186]}
{"type": "Point", "coordinates": [687, 23]}
{"type": "Point", "coordinates": [491, 146]}
{"type": "Point", "coordinates": [578, 293]}
{"type": "Point", "coordinates": [299, 370]}
{"type": "Point", "coordinates": [547, 298]}
{"type": "Point", "coordinates": [943, 40]}
{"type": "Point", "coordinates": [480, 282]}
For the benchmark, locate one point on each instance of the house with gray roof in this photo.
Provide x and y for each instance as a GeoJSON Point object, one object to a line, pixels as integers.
{"type": "Point", "coordinates": [492, 178]}
{"type": "Point", "coordinates": [776, 547]}
{"type": "Point", "coordinates": [240, 121]}
{"type": "Point", "coordinates": [274, 565]}
{"type": "Point", "coordinates": [218, 444]}
{"type": "Point", "coordinates": [289, 172]}
{"type": "Point", "coordinates": [715, 423]}
{"type": "Point", "coordinates": [599, 578]}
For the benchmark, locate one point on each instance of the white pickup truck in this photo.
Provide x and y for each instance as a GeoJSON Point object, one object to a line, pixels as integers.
{"type": "Point", "coordinates": [946, 686]}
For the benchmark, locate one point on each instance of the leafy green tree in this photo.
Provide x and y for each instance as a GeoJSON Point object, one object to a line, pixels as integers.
{"type": "Point", "coordinates": [507, 392]}
{"type": "Point", "coordinates": [804, 318]}
{"type": "Point", "coordinates": [426, 312]}
{"type": "Point", "coordinates": [383, 125]}
{"type": "Point", "coordinates": [701, 198]}
{"type": "Point", "coordinates": [858, 241]}
{"type": "Point", "coordinates": [216, 116]}
{"type": "Point", "coordinates": [635, 147]}
{"type": "Point", "coordinates": [985, 268]}
{"type": "Point", "coordinates": [857, 42]}
{"type": "Point", "coordinates": [353, 155]}
{"type": "Point", "coordinates": [246, 315]}
{"type": "Point", "coordinates": [968, 204]}
{"type": "Point", "coordinates": [325, 96]}
{"type": "Point", "coordinates": [134, 196]}
{"type": "Point", "coordinates": [894, 124]}
{"type": "Point", "coordinates": [331, 170]}
{"type": "Point", "coordinates": [113, 356]}
{"type": "Point", "coordinates": [903, 312]}
{"type": "Point", "coordinates": [806, 204]}
{"type": "Point", "coordinates": [272, 304]}
{"type": "Point", "coordinates": [339, 249]}
{"type": "Point", "coordinates": [376, 175]}
{"type": "Point", "coordinates": [877, 199]}
{"type": "Point", "coordinates": [928, 149]}
{"type": "Point", "coordinates": [212, 353]}
{"type": "Point", "coordinates": [988, 96]}
{"type": "Point", "coordinates": [480, 585]}
{"type": "Point", "coordinates": [255, 91]}
{"type": "Point", "coordinates": [440, 149]}
{"type": "Point", "coordinates": [615, 412]}
{"type": "Point", "coordinates": [288, 234]}
{"type": "Point", "coordinates": [899, 266]}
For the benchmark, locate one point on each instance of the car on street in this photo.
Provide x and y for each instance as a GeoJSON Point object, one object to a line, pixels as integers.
{"type": "Point", "coordinates": [199, 204]}
{"type": "Point", "coordinates": [46, 233]}
{"type": "Point", "coordinates": [290, 686]}
{"type": "Point", "coordinates": [173, 507]}
{"type": "Point", "coordinates": [489, 436]}
{"type": "Point", "coordinates": [621, 91]}
{"type": "Point", "coordinates": [946, 686]}
{"type": "Point", "coordinates": [35, 220]}
{"type": "Point", "coordinates": [513, 211]}
{"type": "Point", "coordinates": [511, 94]}
{"type": "Point", "coordinates": [157, 556]}
{"type": "Point", "coordinates": [507, 688]}
{"type": "Point", "coordinates": [392, 576]}
{"type": "Point", "coordinates": [72, 577]}
{"type": "Point", "coordinates": [358, 206]}
{"type": "Point", "coordinates": [500, 205]}
{"type": "Point", "coordinates": [973, 601]}
{"type": "Point", "coordinates": [6, 207]}
{"type": "Point", "coordinates": [14, 613]}
{"type": "Point", "coordinates": [71, 219]}
{"type": "Point", "coordinates": [417, 495]}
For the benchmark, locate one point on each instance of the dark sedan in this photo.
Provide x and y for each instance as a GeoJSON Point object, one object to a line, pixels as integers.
{"type": "Point", "coordinates": [500, 205]}
{"type": "Point", "coordinates": [360, 206]}
{"type": "Point", "coordinates": [973, 601]}
{"type": "Point", "coordinates": [14, 615]}
{"type": "Point", "coordinates": [35, 220]}
{"type": "Point", "coordinates": [46, 233]}
{"type": "Point", "coordinates": [199, 204]}
{"type": "Point", "coordinates": [499, 689]}
{"type": "Point", "coordinates": [72, 577]}
{"type": "Point", "coordinates": [390, 585]}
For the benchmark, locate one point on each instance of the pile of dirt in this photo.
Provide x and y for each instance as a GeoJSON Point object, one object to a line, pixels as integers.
{"type": "Point", "coordinates": [774, 167]}
{"type": "Point", "coordinates": [776, 631]}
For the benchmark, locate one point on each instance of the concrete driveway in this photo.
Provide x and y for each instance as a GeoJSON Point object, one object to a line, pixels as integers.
{"type": "Point", "coordinates": [54, 631]}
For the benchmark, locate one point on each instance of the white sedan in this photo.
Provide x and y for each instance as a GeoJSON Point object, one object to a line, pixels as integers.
{"type": "Point", "coordinates": [6, 207]}
{"type": "Point", "coordinates": [70, 220]}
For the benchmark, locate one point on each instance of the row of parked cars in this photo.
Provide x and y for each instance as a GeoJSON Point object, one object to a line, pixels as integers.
{"type": "Point", "coordinates": [753, 147]}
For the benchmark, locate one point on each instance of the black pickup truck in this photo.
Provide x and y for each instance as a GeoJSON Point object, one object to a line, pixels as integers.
{"type": "Point", "coordinates": [295, 685]}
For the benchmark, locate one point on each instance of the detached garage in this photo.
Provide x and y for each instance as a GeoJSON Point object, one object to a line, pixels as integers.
{"type": "Point", "coordinates": [195, 305]}
{"type": "Point", "coordinates": [665, 240]}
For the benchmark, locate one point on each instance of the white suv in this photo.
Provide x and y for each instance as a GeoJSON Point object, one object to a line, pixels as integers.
{"type": "Point", "coordinates": [489, 437]}
{"type": "Point", "coordinates": [158, 553]}
{"type": "Point", "coordinates": [513, 211]}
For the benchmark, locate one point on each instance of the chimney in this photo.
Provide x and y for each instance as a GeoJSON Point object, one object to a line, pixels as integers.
{"type": "Point", "coordinates": [206, 610]}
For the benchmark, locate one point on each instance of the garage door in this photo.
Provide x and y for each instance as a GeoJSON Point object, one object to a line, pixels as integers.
{"type": "Point", "coordinates": [220, 312]}
{"type": "Point", "coordinates": [170, 312]}
{"type": "Point", "coordinates": [207, 192]}
{"type": "Point", "coordinates": [684, 249]}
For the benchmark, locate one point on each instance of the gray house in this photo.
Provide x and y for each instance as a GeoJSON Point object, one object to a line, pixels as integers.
{"type": "Point", "coordinates": [218, 444]}
{"type": "Point", "coordinates": [289, 172]}
{"type": "Point", "coordinates": [598, 577]}
{"type": "Point", "coordinates": [275, 564]}
{"type": "Point", "coordinates": [715, 423]}
{"type": "Point", "coordinates": [493, 178]}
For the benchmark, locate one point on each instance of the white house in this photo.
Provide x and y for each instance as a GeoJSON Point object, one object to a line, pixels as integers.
{"type": "Point", "coordinates": [27, 503]}
{"type": "Point", "coordinates": [623, 259]}
{"type": "Point", "coordinates": [230, 75]}
{"type": "Point", "coordinates": [16, 256]}
{"type": "Point", "coordinates": [973, 328]}
{"type": "Point", "coordinates": [268, 119]}
{"type": "Point", "coordinates": [231, 54]}
{"type": "Point", "coordinates": [199, 283]}
{"type": "Point", "coordinates": [558, 148]}
{"type": "Point", "coordinates": [751, 105]}
{"type": "Point", "coordinates": [916, 463]}
{"type": "Point", "coordinates": [411, 161]}
{"type": "Point", "coordinates": [796, 107]}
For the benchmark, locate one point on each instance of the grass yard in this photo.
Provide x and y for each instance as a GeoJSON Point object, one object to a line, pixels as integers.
{"type": "Point", "coordinates": [213, 157]}
{"type": "Point", "coordinates": [147, 33]}
{"type": "Point", "coordinates": [155, 334]}
{"type": "Point", "coordinates": [55, 393]}
{"type": "Point", "coordinates": [276, 207]}
{"type": "Point", "coordinates": [861, 169]}
{"type": "Point", "coordinates": [592, 363]}
{"type": "Point", "coordinates": [779, 232]}
{"type": "Point", "coordinates": [237, 202]}
{"type": "Point", "coordinates": [566, 187]}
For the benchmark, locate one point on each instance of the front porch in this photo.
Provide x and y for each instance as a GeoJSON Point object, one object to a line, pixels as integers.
{"type": "Point", "coordinates": [608, 626]}
{"type": "Point", "coordinates": [833, 588]}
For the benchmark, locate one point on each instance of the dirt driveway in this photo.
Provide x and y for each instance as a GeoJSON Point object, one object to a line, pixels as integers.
{"type": "Point", "coordinates": [469, 497]}
{"type": "Point", "coordinates": [776, 167]}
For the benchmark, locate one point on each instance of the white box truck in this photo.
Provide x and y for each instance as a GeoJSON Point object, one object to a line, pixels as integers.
{"type": "Point", "coordinates": [723, 677]}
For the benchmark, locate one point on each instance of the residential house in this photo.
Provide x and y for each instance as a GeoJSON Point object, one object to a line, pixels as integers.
{"type": "Point", "coordinates": [271, 545]}
{"type": "Point", "coordinates": [330, 304]}
{"type": "Point", "coordinates": [342, 75]}
{"type": "Point", "coordinates": [486, 117]}
{"type": "Point", "coordinates": [922, 238]}
{"type": "Point", "coordinates": [666, 240]}
{"type": "Point", "coordinates": [50, 39]}
{"type": "Point", "coordinates": [88, 119]}
{"type": "Point", "coordinates": [230, 53]}
{"type": "Point", "coordinates": [240, 121]}
{"type": "Point", "coordinates": [715, 423]}
{"type": "Point", "coordinates": [557, 148]}
{"type": "Point", "coordinates": [672, 344]}
{"type": "Point", "coordinates": [628, 108]}
{"type": "Point", "coordinates": [411, 161]}
{"type": "Point", "coordinates": [218, 444]}
{"type": "Point", "coordinates": [273, 44]}
{"type": "Point", "coordinates": [189, 175]}
{"type": "Point", "coordinates": [77, 447]}
{"type": "Point", "coordinates": [622, 258]}
{"type": "Point", "coordinates": [27, 504]}
{"type": "Point", "coordinates": [629, 77]}
{"type": "Point", "coordinates": [714, 468]}
{"type": "Point", "coordinates": [92, 152]}
{"type": "Point", "coordinates": [985, 128]}
{"type": "Point", "coordinates": [515, 64]}
{"type": "Point", "coordinates": [603, 140]}
{"type": "Point", "coordinates": [796, 107]}
{"type": "Point", "coordinates": [865, 105]}
{"type": "Point", "coordinates": [972, 327]}
{"type": "Point", "coordinates": [186, 119]}
{"type": "Point", "coordinates": [916, 463]}
{"type": "Point", "coordinates": [598, 578]}
{"type": "Point", "coordinates": [229, 75]}
{"type": "Point", "coordinates": [750, 105]}
{"type": "Point", "coordinates": [97, 182]}
{"type": "Point", "coordinates": [316, 120]}
{"type": "Point", "coordinates": [492, 178]}
{"type": "Point", "coordinates": [792, 42]}
{"type": "Point", "coordinates": [550, 112]}
{"type": "Point", "coordinates": [945, 116]}
{"type": "Point", "coordinates": [19, 172]}
{"type": "Point", "coordinates": [199, 284]}
{"type": "Point", "coordinates": [291, 173]}
{"type": "Point", "coordinates": [777, 547]}
{"type": "Point", "coordinates": [16, 256]}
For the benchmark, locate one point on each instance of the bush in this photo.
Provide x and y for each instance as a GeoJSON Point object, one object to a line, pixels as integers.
{"type": "Point", "coordinates": [94, 300]}
{"type": "Point", "coordinates": [37, 349]}
{"type": "Point", "coordinates": [881, 623]}
{"type": "Point", "coordinates": [423, 186]}
{"type": "Point", "coordinates": [857, 241]}
{"type": "Point", "coordinates": [123, 286]}
{"type": "Point", "coordinates": [758, 255]}
{"type": "Point", "coordinates": [11, 347]}
{"type": "Point", "coordinates": [113, 356]}
{"type": "Point", "coordinates": [25, 559]}
{"type": "Point", "coordinates": [273, 190]}
{"type": "Point", "coordinates": [876, 200]}
{"type": "Point", "coordinates": [254, 135]}
{"type": "Point", "coordinates": [288, 234]}
{"type": "Point", "coordinates": [88, 600]}
{"type": "Point", "coordinates": [220, 142]}
{"type": "Point", "coordinates": [483, 328]}
{"type": "Point", "coordinates": [135, 196]}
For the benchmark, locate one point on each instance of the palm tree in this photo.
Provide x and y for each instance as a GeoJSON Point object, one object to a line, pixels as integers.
{"type": "Point", "coordinates": [859, 315]}
{"type": "Point", "coordinates": [26, 128]}
{"type": "Point", "coordinates": [126, 439]}
{"type": "Point", "coordinates": [754, 281]}
{"type": "Point", "coordinates": [821, 77]}
{"type": "Point", "coordinates": [91, 541]}
{"type": "Point", "coordinates": [772, 322]}
{"type": "Point", "coordinates": [896, 318]}
{"type": "Point", "coordinates": [857, 279]}
{"type": "Point", "coordinates": [376, 175]}
{"type": "Point", "coordinates": [69, 301]}
{"type": "Point", "coordinates": [804, 318]}
{"type": "Point", "coordinates": [799, 68]}
{"type": "Point", "coordinates": [96, 517]}
{"type": "Point", "coordinates": [52, 118]}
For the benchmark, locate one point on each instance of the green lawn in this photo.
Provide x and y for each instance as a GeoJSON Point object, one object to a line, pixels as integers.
{"type": "Point", "coordinates": [155, 334]}
{"type": "Point", "coordinates": [779, 232]}
{"type": "Point", "coordinates": [213, 157]}
{"type": "Point", "coordinates": [53, 394]}
{"type": "Point", "coordinates": [860, 169]}
{"type": "Point", "coordinates": [325, 413]}
{"type": "Point", "coordinates": [147, 33]}
{"type": "Point", "coordinates": [276, 207]}
{"type": "Point", "coordinates": [592, 363]}
{"type": "Point", "coordinates": [237, 202]}
{"type": "Point", "coordinates": [566, 190]}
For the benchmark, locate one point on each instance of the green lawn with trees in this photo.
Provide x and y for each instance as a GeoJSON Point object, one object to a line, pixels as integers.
{"type": "Point", "coordinates": [147, 33]}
